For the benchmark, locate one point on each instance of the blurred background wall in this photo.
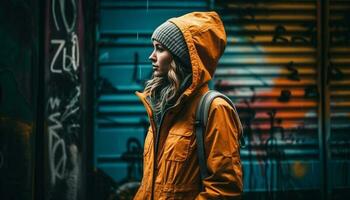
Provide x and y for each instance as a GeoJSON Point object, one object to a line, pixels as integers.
{"type": "Point", "coordinates": [72, 128]}
{"type": "Point", "coordinates": [19, 38]}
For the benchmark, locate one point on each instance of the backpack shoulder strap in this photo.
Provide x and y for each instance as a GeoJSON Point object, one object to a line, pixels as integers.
{"type": "Point", "coordinates": [202, 113]}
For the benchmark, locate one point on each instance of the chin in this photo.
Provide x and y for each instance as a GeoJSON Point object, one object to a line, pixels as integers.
{"type": "Point", "coordinates": [157, 74]}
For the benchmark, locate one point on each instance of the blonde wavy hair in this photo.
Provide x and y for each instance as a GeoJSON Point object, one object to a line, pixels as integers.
{"type": "Point", "coordinates": [165, 89]}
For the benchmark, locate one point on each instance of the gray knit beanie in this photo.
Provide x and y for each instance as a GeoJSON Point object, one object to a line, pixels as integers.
{"type": "Point", "coordinates": [169, 35]}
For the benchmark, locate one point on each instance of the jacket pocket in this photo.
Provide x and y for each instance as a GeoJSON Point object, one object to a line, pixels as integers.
{"type": "Point", "coordinates": [178, 145]}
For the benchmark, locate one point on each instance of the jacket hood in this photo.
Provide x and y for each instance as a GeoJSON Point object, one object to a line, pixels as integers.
{"type": "Point", "coordinates": [205, 36]}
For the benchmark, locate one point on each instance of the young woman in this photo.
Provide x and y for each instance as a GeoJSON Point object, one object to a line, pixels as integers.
{"type": "Point", "coordinates": [186, 52]}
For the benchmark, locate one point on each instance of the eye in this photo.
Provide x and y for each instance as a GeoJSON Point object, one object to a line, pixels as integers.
{"type": "Point", "coordinates": [159, 48]}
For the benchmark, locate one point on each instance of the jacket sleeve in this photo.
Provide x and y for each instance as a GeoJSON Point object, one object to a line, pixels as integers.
{"type": "Point", "coordinates": [222, 151]}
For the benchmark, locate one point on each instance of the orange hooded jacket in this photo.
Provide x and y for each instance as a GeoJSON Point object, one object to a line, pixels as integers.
{"type": "Point", "coordinates": [171, 169]}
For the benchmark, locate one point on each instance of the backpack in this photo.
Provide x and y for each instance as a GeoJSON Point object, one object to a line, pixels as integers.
{"type": "Point", "coordinates": [202, 113]}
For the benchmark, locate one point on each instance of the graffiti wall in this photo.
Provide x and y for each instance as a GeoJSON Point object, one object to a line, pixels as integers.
{"type": "Point", "coordinates": [64, 36]}
{"type": "Point", "coordinates": [270, 70]}
{"type": "Point", "coordinates": [291, 96]}
{"type": "Point", "coordinates": [45, 103]}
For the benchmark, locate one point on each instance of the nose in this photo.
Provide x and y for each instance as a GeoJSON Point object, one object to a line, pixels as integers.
{"type": "Point", "coordinates": [152, 57]}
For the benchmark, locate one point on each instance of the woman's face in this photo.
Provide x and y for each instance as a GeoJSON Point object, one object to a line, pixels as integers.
{"type": "Point", "coordinates": [161, 59]}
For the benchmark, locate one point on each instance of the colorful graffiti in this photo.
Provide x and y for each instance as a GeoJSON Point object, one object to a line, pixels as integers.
{"type": "Point", "coordinates": [271, 71]}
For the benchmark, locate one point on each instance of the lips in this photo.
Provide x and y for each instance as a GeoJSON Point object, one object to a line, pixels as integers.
{"type": "Point", "coordinates": [154, 67]}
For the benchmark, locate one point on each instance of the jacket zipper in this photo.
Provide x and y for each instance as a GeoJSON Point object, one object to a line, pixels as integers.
{"type": "Point", "coordinates": [156, 151]}
{"type": "Point", "coordinates": [156, 142]}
